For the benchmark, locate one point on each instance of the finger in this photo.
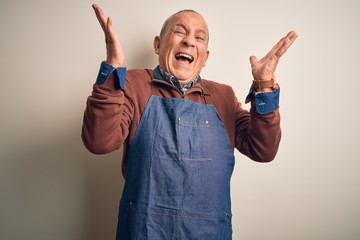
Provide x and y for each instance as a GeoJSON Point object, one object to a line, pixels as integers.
{"type": "Point", "coordinates": [275, 48]}
{"type": "Point", "coordinates": [100, 16]}
{"type": "Point", "coordinates": [253, 60]}
{"type": "Point", "coordinates": [110, 30]}
{"type": "Point", "coordinates": [280, 47]}
{"type": "Point", "coordinates": [288, 41]}
{"type": "Point", "coordinates": [292, 38]}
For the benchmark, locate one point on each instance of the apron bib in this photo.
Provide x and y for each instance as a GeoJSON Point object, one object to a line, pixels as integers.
{"type": "Point", "coordinates": [178, 172]}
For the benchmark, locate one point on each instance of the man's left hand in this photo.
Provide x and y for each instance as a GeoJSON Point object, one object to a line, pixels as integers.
{"type": "Point", "coordinates": [264, 69]}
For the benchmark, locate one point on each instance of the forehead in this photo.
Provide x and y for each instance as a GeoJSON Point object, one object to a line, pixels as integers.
{"type": "Point", "coordinates": [189, 20]}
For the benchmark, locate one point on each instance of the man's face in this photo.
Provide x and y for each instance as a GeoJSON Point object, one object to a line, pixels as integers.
{"type": "Point", "coordinates": [183, 49]}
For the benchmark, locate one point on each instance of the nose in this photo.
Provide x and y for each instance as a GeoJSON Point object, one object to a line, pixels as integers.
{"type": "Point", "coordinates": [189, 41]}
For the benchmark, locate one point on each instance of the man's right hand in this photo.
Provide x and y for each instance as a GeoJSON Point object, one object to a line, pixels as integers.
{"type": "Point", "coordinates": [114, 52]}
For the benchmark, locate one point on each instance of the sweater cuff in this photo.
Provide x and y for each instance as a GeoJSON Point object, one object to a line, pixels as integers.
{"type": "Point", "coordinates": [264, 102]}
{"type": "Point", "coordinates": [106, 70]}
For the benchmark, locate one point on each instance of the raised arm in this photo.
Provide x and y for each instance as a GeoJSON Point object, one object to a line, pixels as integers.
{"type": "Point", "coordinates": [258, 134]}
{"type": "Point", "coordinates": [108, 112]}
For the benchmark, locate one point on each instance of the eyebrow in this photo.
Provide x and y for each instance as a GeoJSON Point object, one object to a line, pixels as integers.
{"type": "Point", "coordinates": [197, 30]}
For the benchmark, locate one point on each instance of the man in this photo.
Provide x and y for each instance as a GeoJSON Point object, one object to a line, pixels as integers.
{"type": "Point", "coordinates": [179, 131]}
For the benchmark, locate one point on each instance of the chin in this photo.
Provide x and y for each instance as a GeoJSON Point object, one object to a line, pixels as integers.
{"type": "Point", "coordinates": [184, 76]}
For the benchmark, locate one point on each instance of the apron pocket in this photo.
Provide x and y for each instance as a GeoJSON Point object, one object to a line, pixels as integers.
{"type": "Point", "coordinates": [194, 137]}
{"type": "Point", "coordinates": [158, 223]}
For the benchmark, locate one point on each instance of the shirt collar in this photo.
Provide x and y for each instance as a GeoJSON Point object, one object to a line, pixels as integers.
{"type": "Point", "coordinates": [175, 82]}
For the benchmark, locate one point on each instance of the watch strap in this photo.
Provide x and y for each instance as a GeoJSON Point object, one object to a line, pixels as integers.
{"type": "Point", "coordinates": [258, 84]}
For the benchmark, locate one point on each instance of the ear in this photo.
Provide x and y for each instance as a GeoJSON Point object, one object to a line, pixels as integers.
{"type": "Point", "coordinates": [157, 41]}
{"type": "Point", "coordinates": [207, 55]}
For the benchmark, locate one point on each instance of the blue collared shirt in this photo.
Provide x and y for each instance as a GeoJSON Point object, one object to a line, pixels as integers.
{"type": "Point", "coordinates": [264, 102]}
{"type": "Point", "coordinates": [106, 70]}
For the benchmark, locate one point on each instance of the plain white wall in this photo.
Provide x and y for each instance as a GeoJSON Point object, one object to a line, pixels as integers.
{"type": "Point", "coordinates": [50, 51]}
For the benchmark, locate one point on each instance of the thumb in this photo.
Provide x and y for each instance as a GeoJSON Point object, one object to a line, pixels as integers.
{"type": "Point", "coordinates": [253, 60]}
{"type": "Point", "coordinates": [109, 25]}
{"type": "Point", "coordinates": [110, 31]}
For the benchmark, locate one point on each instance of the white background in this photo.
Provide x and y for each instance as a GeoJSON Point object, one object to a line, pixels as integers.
{"type": "Point", "coordinates": [51, 187]}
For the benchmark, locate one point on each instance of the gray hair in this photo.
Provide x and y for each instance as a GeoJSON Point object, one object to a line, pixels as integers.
{"type": "Point", "coordinates": [168, 20]}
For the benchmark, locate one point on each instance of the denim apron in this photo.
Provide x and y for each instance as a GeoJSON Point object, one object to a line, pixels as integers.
{"type": "Point", "coordinates": [178, 172]}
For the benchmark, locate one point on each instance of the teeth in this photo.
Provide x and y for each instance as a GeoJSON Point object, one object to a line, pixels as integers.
{"type": "Point", "coordinates": [184, 55]}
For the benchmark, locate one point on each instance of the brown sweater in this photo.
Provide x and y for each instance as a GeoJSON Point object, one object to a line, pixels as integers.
{"type": "Point", "coordinates": [111, 116]}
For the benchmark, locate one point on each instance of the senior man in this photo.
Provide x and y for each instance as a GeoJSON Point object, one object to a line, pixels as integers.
{"type": "Point", "coordinates": [179, 131]}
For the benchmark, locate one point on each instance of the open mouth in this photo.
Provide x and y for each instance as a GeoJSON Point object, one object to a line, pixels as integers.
{"type": "Point", "coordinates": [184, 57]}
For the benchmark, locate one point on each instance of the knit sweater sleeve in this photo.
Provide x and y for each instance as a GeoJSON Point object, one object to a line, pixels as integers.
{"type": "Point", "coordinates": [107, 117]}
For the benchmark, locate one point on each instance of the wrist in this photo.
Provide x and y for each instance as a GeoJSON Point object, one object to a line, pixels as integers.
{"type": "Point", "coordinates": [113, 63]}
{"type": "Point", "coordinates": [265, 85]}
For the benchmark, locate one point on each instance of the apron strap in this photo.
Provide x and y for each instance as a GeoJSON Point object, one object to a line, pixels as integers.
{"type": "Point", "coordinates": [205, 93]}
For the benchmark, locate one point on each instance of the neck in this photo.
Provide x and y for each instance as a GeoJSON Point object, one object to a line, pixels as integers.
{"type": "Point", "coordinates": [169, 76]}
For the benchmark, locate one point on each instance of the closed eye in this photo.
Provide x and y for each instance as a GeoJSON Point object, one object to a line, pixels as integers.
{"type": "Point", "coordinates": [180, 33]}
